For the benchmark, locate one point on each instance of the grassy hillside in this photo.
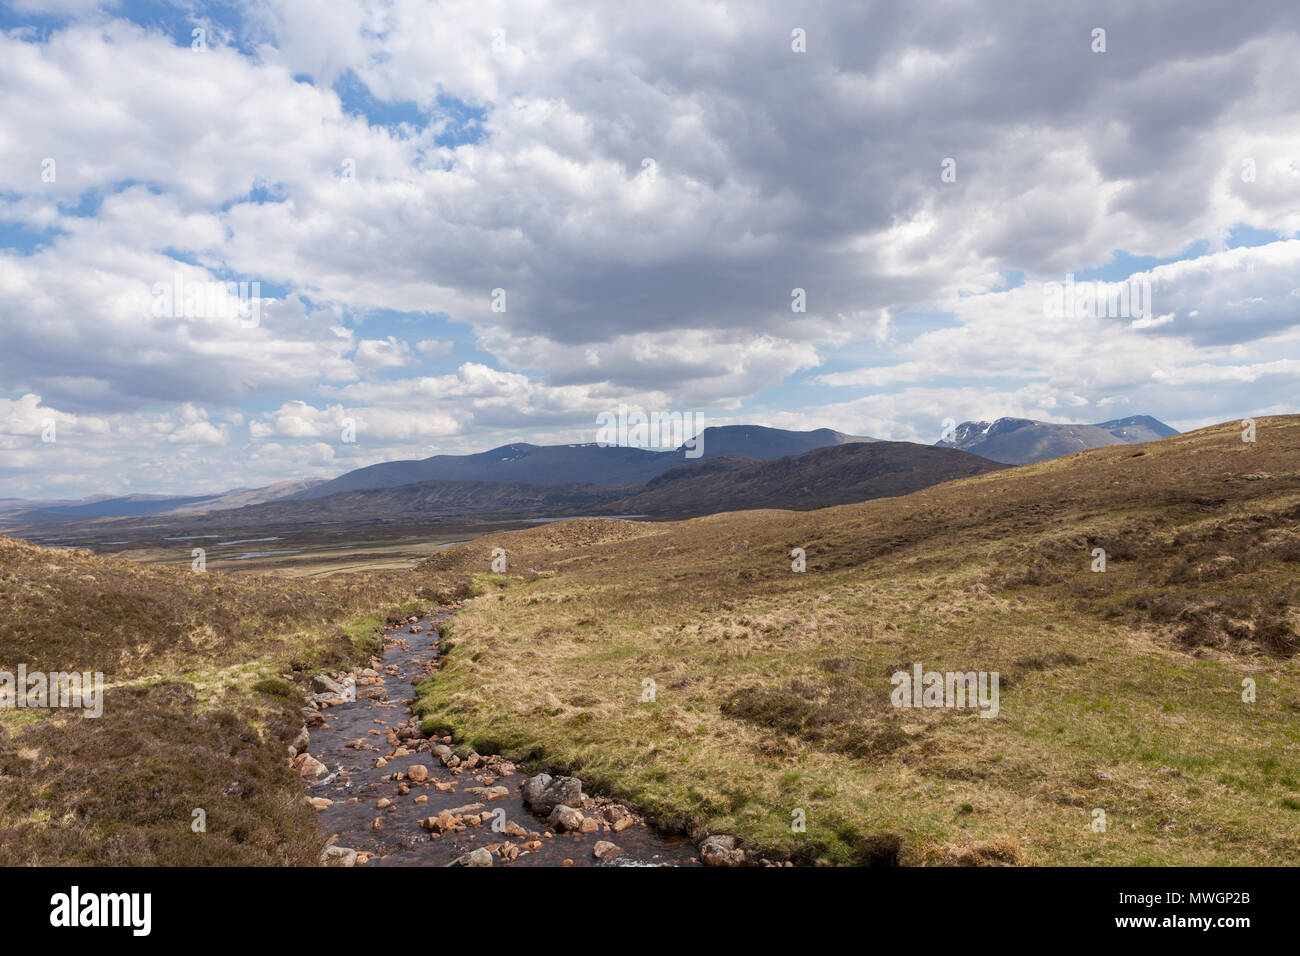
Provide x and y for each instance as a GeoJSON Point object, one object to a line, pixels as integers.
{"type": "Point", "coordinates": [1120, 691]}
{"type": "Point", "coordinates": [195, 712]}
{"type": "Point", "coordinates": [834, 475]}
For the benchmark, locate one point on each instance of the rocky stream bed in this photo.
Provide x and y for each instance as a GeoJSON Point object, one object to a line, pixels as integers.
{"type": "Point", "coordinates": [389, 796]}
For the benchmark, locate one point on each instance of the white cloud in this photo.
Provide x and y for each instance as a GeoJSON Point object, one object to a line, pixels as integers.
{"type": "Point", "coordinates": [383, 353]}
{"type": "Point", "coordinates": [665, 282]}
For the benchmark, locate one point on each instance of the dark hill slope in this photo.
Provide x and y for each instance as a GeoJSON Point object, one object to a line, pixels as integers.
{"type": "Point", "coordinates": [836, 475]}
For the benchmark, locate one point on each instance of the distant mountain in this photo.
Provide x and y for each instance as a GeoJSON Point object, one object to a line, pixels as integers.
{"type": "Point", "coordinates": [517, 463]}
{"type": "Point", "coordinates": [1138, 428]}
{"type": "Point", "coordinates": [588, 463]}
{"type": "Point", "coordinates": [834, 475]}
{"type": "Point", "coordinates": [251, 496]}
{"type": "Point", "coordinates": [31, 504]}
{"type": "Point", "coordinates": [421, 499]}
{"type": "Point", "coordinates": [1019, 441]}
{"type": "Point", "coordinates": [18, 513]}
{"type": "Point", "coordinates": [768, 444]}
{"type": "Point", "coordinates": [124, 506]}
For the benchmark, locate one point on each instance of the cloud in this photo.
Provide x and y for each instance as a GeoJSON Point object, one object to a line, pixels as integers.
{"type": "Point", "coordinates": [646, 191]}
{"type": "Point", "coordinates": [383, 353]}
{"type": "Point", "coordinates": [432, 348]}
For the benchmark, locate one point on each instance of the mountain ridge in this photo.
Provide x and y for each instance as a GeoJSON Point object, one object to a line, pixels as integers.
{"type": "Point", "coordinates": [593, 463]}
{"type": "Point", "coordinates": [831, 475]}
{"type": "Point", "coordinates": [834, 474]}
{"type": "Point", "coordinates": [1021, 441]}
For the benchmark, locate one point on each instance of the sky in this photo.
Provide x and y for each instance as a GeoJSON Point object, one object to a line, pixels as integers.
{"type": "Point", "coordinates": [464, 224]}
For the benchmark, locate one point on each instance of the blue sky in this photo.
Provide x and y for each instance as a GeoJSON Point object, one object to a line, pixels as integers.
{"type": "Point", "coordinates": [646, 192]}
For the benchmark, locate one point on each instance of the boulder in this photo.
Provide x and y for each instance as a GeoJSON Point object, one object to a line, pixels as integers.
{"type": "Point", "coordinates": [338, 856]}
{"type": "Point", "coordinates": [321, 684]}
{"type": "Point", "coordinates": [720, 850]}
{"type": "Point", "coordinates": [534, 786]}
{"type": "Point", "coordinates": [299, 743]}
{"type": "Point", "coordinates": [544, 793]}
{"type": "Point", "coordinates": [308, 766]}
{"type": "Point", "coordinates": [604, 850]}
{"type": "Point", "coordinates": [479, 857]}
{"type": "Point", "coordinates": [442, 823]}
{"type": "Point", "coordinates": [565, 818]}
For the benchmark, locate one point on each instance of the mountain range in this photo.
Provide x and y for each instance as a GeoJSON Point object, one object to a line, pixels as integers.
{"type": "Point", "coordinates": [19, 512]}
{"type": "Point", "coordinates": [590, 463]}
{"type": "Point", "coordinates": [835, 474]}
{"type": "Point", "coordinates": [737, 466]}
{"type": "Point", "coordinates": [1020, 441]}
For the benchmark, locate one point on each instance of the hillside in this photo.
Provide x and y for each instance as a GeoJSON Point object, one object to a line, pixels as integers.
{"type": "Point", "coordinates": [252, 496]}
{"type": "Point", "coordinates": [194, 712]}
{"type": "Point", "coordinates": [1019, 441]}
{"type": "Point", "coordinates": [768, 444]}
{"type": "Point", "coordinates": [833, 475]}
{"type": "Point", "coordinates": [1121, 690]}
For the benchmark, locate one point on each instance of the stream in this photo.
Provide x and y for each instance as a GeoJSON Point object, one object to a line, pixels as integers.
{"type": "Point", "coordinates": [357, 734]}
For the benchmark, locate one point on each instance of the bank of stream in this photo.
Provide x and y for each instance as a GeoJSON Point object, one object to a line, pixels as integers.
{"type": "Point", "coordinates": [392, 798]}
